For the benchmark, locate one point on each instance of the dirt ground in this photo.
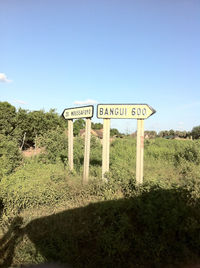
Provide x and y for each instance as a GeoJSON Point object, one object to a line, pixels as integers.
{"type": "Point", "coordinates": [32, 152]}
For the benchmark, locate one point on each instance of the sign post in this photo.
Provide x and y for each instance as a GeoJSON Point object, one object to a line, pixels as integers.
{"type": "Point", "coordinates": [87, 151]}
{"type": "Point", "coordinates": [124, 111]}
{"type": "Point", "coordinates": [70, 144]}
{"type": "Point", "coordinates": [76, 113]}
{"type": "Point", "coordinates": [140, 151]}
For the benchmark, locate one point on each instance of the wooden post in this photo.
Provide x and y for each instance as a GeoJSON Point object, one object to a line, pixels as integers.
{"type": "Point", "coordinates": [140, 151]}
{"type": "Point", "coordinates": [106, 147]}
{"type": "Point", "coordinates": [87, 151]}
{"type": "Point", "coordinates": [70, 144]}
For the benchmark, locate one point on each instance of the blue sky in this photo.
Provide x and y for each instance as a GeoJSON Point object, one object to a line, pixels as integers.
{"type": "Point", "coordinates": [54, 53]}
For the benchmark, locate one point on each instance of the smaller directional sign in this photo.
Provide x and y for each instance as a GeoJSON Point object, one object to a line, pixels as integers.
{"type": "Point", "coordinates": [79, 112]}
{"type": "Point", "coordinates": [124, 111]}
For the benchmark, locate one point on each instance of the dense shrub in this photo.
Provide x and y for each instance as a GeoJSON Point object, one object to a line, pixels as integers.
{"type": "Point", "coordinates": [32, 186]}
{"type": "Point", "coordinates": [160, 149]}
{"type": "Point", "coordinates": [7, 118]}
{"type": "Point", "coordinates": [78, 153]}
{"type": "Point", "coordinates": [189, 152]}
{"type": "Point", "coordinates": [122, 159]}
{"type": "Point", "coordinates": [55, 147]}
{"type": "Point", "coordinates": [196, 132]}
{"type": "Point", "coordinates": [10, 155]}
{"type": "Point", "coordinates": [25, 126]}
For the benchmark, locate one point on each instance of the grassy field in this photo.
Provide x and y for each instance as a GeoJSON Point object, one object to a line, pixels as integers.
{"type": "Point", "coordinates": [47, 215]}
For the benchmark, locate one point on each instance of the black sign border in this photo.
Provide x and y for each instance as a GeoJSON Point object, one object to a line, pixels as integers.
{"type": "Point", "coordinates": [153, 110]}
{"type": "Point", "coordinates": [87, 106]}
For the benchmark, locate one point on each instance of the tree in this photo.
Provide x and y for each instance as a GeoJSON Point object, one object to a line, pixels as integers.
{"type": "Point", "coordinates": [171, 132]}
{"type": "Point", "coordinates": [114, 132]}
{"type": "Point", "coordinates": [150, 133]}
{"type": "Point", "coordinates": [40, 122]}
{"type": "Point", "coordinates": [55, 144]}
{"type": "Point", "coordinates": [196, 132]}
{"type": "Point", "coordinates": [97, 125]}
{"type": "Point", "coordinates": [10, 156]}
{"type": "Point", "coordinates": [163, 133]}
{"type": "Point", "coordinates": [22, 126]}
{"type": "Point", "coordinates": [7, 118]}
{"type": "Point", "coordinates": [78, 125]}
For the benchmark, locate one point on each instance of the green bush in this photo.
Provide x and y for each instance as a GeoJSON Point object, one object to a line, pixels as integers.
{"type": "Point", "coordinates": [7, 118]}
{"type": "Point", "coordinates": [10, 155]}
{"type": "Point", "coordinates": [55, 146]}
{"type": "Point", "coordinates": [32, 186]}
{"type": "Point", "coordinates": [122, 159]}
{"type": "Point", "coordinates": [190, 152]}
{"type": "Point", "coordinates": [78, 153]}
{"type": "Point", "coordinates": [160, 149]}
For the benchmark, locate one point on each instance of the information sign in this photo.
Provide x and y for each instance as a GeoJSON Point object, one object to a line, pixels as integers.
{"type": "Point", "coordinates": [124, 111]}
{"type": "Point", "coordinates": [79, 112]}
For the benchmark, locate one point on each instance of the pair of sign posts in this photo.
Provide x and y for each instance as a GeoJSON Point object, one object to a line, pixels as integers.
{"type": "Point", "coordinates": [77, 113]}
{"type": "Point", "coordinates": [107, 112]}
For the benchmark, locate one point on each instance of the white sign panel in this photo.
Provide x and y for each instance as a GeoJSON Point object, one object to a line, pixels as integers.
{"type": "Point", "coordinates": [79, 112]}
{"type": "Point", "coordinates": [124, 111]}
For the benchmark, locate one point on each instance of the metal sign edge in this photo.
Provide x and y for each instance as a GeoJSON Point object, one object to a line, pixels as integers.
{"type": "Point", "coordinates": [152, 109]}
{"type": "Point", "coordinates": [80, 108]}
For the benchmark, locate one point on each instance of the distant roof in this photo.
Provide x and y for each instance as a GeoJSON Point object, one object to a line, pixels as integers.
{"type": "Point", "coordinates": [99, 133]}
{"type": "Point", "coordinates": [82, 131]}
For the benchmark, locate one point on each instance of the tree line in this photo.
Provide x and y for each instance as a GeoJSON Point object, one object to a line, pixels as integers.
{"type": "Point", "coordinates": [25, 126]}
{"type": "Point", "coordinates": [22, 129]}
{"type": "Point", "coordinates": [194, 133]}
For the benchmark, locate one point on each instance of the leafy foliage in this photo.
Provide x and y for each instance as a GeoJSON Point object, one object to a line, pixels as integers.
{"type": "Point", "coordinates": [25, 126]}
{"type": "Point", "coordinates": [113, 132]}
{"type": "Point", "coordinates": [32, 186]}
{"type": "Point", "coordinates": [7, 118]}
{"type": "Point", "coordinates": [196, 132]}
{"type": "Point", "coordinates": [10, 156]}
{"type": "Point", "coordinates": [78, 125]}
{"type": "Point", "coordinates": [41, 123]}
{"type": "Point", "coordinates": [97, 125]}
{"type": "Point", "coordinates": [174, 133]}
{"type": "Point", "coordinates": [55, 147]}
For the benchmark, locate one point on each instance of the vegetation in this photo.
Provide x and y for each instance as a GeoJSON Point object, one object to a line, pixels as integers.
{"type": "Point", "coordinates": [25, 126]}
{"type": "Point", "coordinates": [196, 132]}
{"type": "Point", "coordinates": [78, 125]}
{"type": "Point", "coordinates": [174, 133]}
{"type": "Point", "coordinates": [97, 125]}
{"type": "Point", "coordinates": [10, 155]}
{"type": "Point", "coordinates": [47, 215]}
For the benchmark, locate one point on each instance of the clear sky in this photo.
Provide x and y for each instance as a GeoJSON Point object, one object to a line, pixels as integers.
{"type": "Point", "coordinates": [55, 53]}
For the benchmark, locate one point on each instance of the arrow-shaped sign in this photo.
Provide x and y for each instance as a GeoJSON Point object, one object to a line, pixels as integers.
{"type": "Point", "coordinates": [78, 112]}
{"type": "Point", "coordinates": [124, 111]}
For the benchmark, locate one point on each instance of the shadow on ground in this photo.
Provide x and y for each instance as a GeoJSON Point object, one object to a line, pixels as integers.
{"type": "Point", "coordinates": [159, 228]}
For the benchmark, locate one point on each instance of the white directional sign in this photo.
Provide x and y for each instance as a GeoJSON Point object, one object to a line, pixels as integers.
{"type": "Point", "coordinates": [79, 112]}
{"type": "Point", "coordinates": [124, 111]}
{"type": "Point", "coordinates": [76, 113]}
